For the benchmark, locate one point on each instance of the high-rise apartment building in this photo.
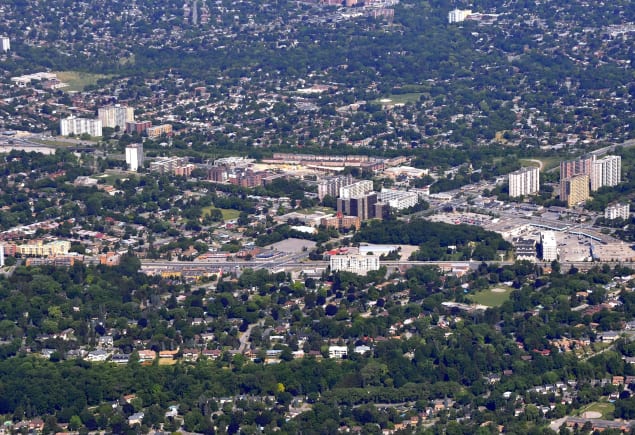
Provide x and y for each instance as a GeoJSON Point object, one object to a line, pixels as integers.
{"type": "Point", "coordinates": [134, 156]}
{"type": "Point", "coordinates": [580, 166]}
{"type": "Point", "coordinates": [115, 116]}
{"type": "Point", "coordinates": [458, 15]}
{"type": "Point", "coordinates": [525, 181]}
{"type": "Point", "coordinates": [606, 171]}
{"type": "Point", "coordinates": [73, 125]}
{"type": "Point", "coordinates": [331, 185]}
{"type": "Point", "coordinates": [356, 189]}
{"type": "Point", "coordinates": [5, 43]}
{"type": "Point", "coordinates": [574, 190]}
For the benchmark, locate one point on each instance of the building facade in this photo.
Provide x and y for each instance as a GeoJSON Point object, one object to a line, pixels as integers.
{"type": "Point", "coordinates": [40, 249]}
{"type": "Point", "coordinates": [354, 263]}
{"type": "Point", "coordinates": [78, 126]}
{"type": "Point", "coordinates": [607, 171]}
{"type": "Point", "coordinates": [615, 211]}
{"type": "Point", "coordinates": [138, 127]}
{"type": "Point", "coordinates": [331, 186]}
{"type": "Point", "coordinates": [362, 207]}
{"type": "Point", "coordinates": [574, 190]}
{"type": "Point", "coordinates": [549, 246]}
{"type": "Point", "coordinates": [398, 199]}
{"type": "Point", "coordinates": [158, 130]}
{"type": "Point", "coordinates": [5, 43]}
{"type": "Point", "coordinates": [134, 156]}
{"type": "Point", "coordinates": [172, 165]}
{"type": "Point", "coordinates": [356, 189]}
{"type": "Point", "coordinates": [580, 166]}
{"type": "Point", "coordinates": [115, 116]}
{"type": "Point", "coordinates": [525, 181]}
{"type": "Point", "coordinates": [458, 15]}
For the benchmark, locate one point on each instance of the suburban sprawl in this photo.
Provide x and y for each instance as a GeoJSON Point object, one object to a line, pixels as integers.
{"type": "Point", "coordinates": [317, 217]}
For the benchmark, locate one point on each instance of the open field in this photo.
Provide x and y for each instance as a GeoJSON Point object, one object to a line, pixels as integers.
{"type": "Point", "coordinates": [548, 163]}
{"type": "Point", "coordinates": [228, 214]}
{"type": "Point", "coordinates": [494, 297]}
{"type": "Point", "coordinates": [605, 409]}
{"type": "Point", "coordinates": [76, 80]}
{"type": "Point", "coordinates": [399, 99]}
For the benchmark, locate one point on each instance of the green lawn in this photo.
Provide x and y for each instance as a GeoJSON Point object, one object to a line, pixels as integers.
{"type": "Point", "coordinates": [491, 298]}
{"type": "Point", "coordinates": [399, 98]}
{"type": "Point", "coordinates": [76, 80]}
{"type": "Point", "coordinates": [228, 214]}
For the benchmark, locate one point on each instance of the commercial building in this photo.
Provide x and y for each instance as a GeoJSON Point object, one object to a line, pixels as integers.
{"type": "Point", "coordinates": [134, 156]}
{"type": "Point", "coordinates": [78, 126]}
{"type": "Point", "coordinates": [458, 15]}
{"type": "Point", "coordinates": [398, 199]}
{"type": "Point", "coordinates": [158, 130]}
{"type": "Point", "coordinates": [525, 249]}
{"type": "Point", "coordinates": [356, 189]}
{"type": "Point", "coordinates": [331, 186]}
{"type": "Point", "coordinates": [115, 116]}
{"type": "Point", "coordinates": [574, 190]}
{"type": "Point", "coordinates": [525, 181]}
{"type": "Point", "coordinates": [615, 211]}
{"type": "Point", "coordinates": [5, 43]}
{"type": "Point", "coordinates": [548, 246]}
{"type": "Point", "coordinates": [606, 171]}
{"type": "Point", "coordinates": [354, 263]}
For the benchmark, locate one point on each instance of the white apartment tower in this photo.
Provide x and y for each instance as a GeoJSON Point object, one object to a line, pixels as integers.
{"type": "Point", "coordinates": [615, 211]}
{"type": "Point", "coordinates": [73, 125]}
{"type": "Point", "coordinates": [331, 185]}
{"type": "Point", "coordinates": [355, 190]}
{"type": "Point", "coordinates": [549, 246]}
{"type": "Point", "coordinates": [5, 43]}
{"type": "Point", "coordinates": [115, 116]}
{"type": "Point", "coordinates": [606, 171]}
{"type": "Point", "coordinates": [458, 15]}
{"type": "Point", "coordinates": [134, 156]}
{"type": "Point", "coordinates": [525, 181]}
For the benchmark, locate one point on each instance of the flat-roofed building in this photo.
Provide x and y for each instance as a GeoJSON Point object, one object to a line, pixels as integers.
{"type": "Point", "coordinates": [134, 156]}
{"type": "Point", "coordinates": [615, 211]}
{"type": "Point", "coordinates": [548, 246]}
{"type": "Point", "coordinates": [115, 115]}
{"type": "Point", "coordinates": [79, 126]}
{"type": "Point", "coordinates": [354, 263]}
{"type": "Point", "coordinates": [607, 171]}
{"type": "Point", "coordinates": [574, 190]}
{"type": "Point", "coordinates": [525, 181]}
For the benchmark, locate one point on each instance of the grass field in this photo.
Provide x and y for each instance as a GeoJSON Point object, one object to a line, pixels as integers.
{"type": "Point", "coordinates": [399, 99]}
{"type": "Point", "coordinates": [547, 162]}
{"type": "Point", "coordinates": [604, 408]}
{"type": "Point", "coordinates": [228, 214]}
{"type": "Point", "coordinates": [77, 81]}
{"type": "Point", "coordinates": [491, 298]}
